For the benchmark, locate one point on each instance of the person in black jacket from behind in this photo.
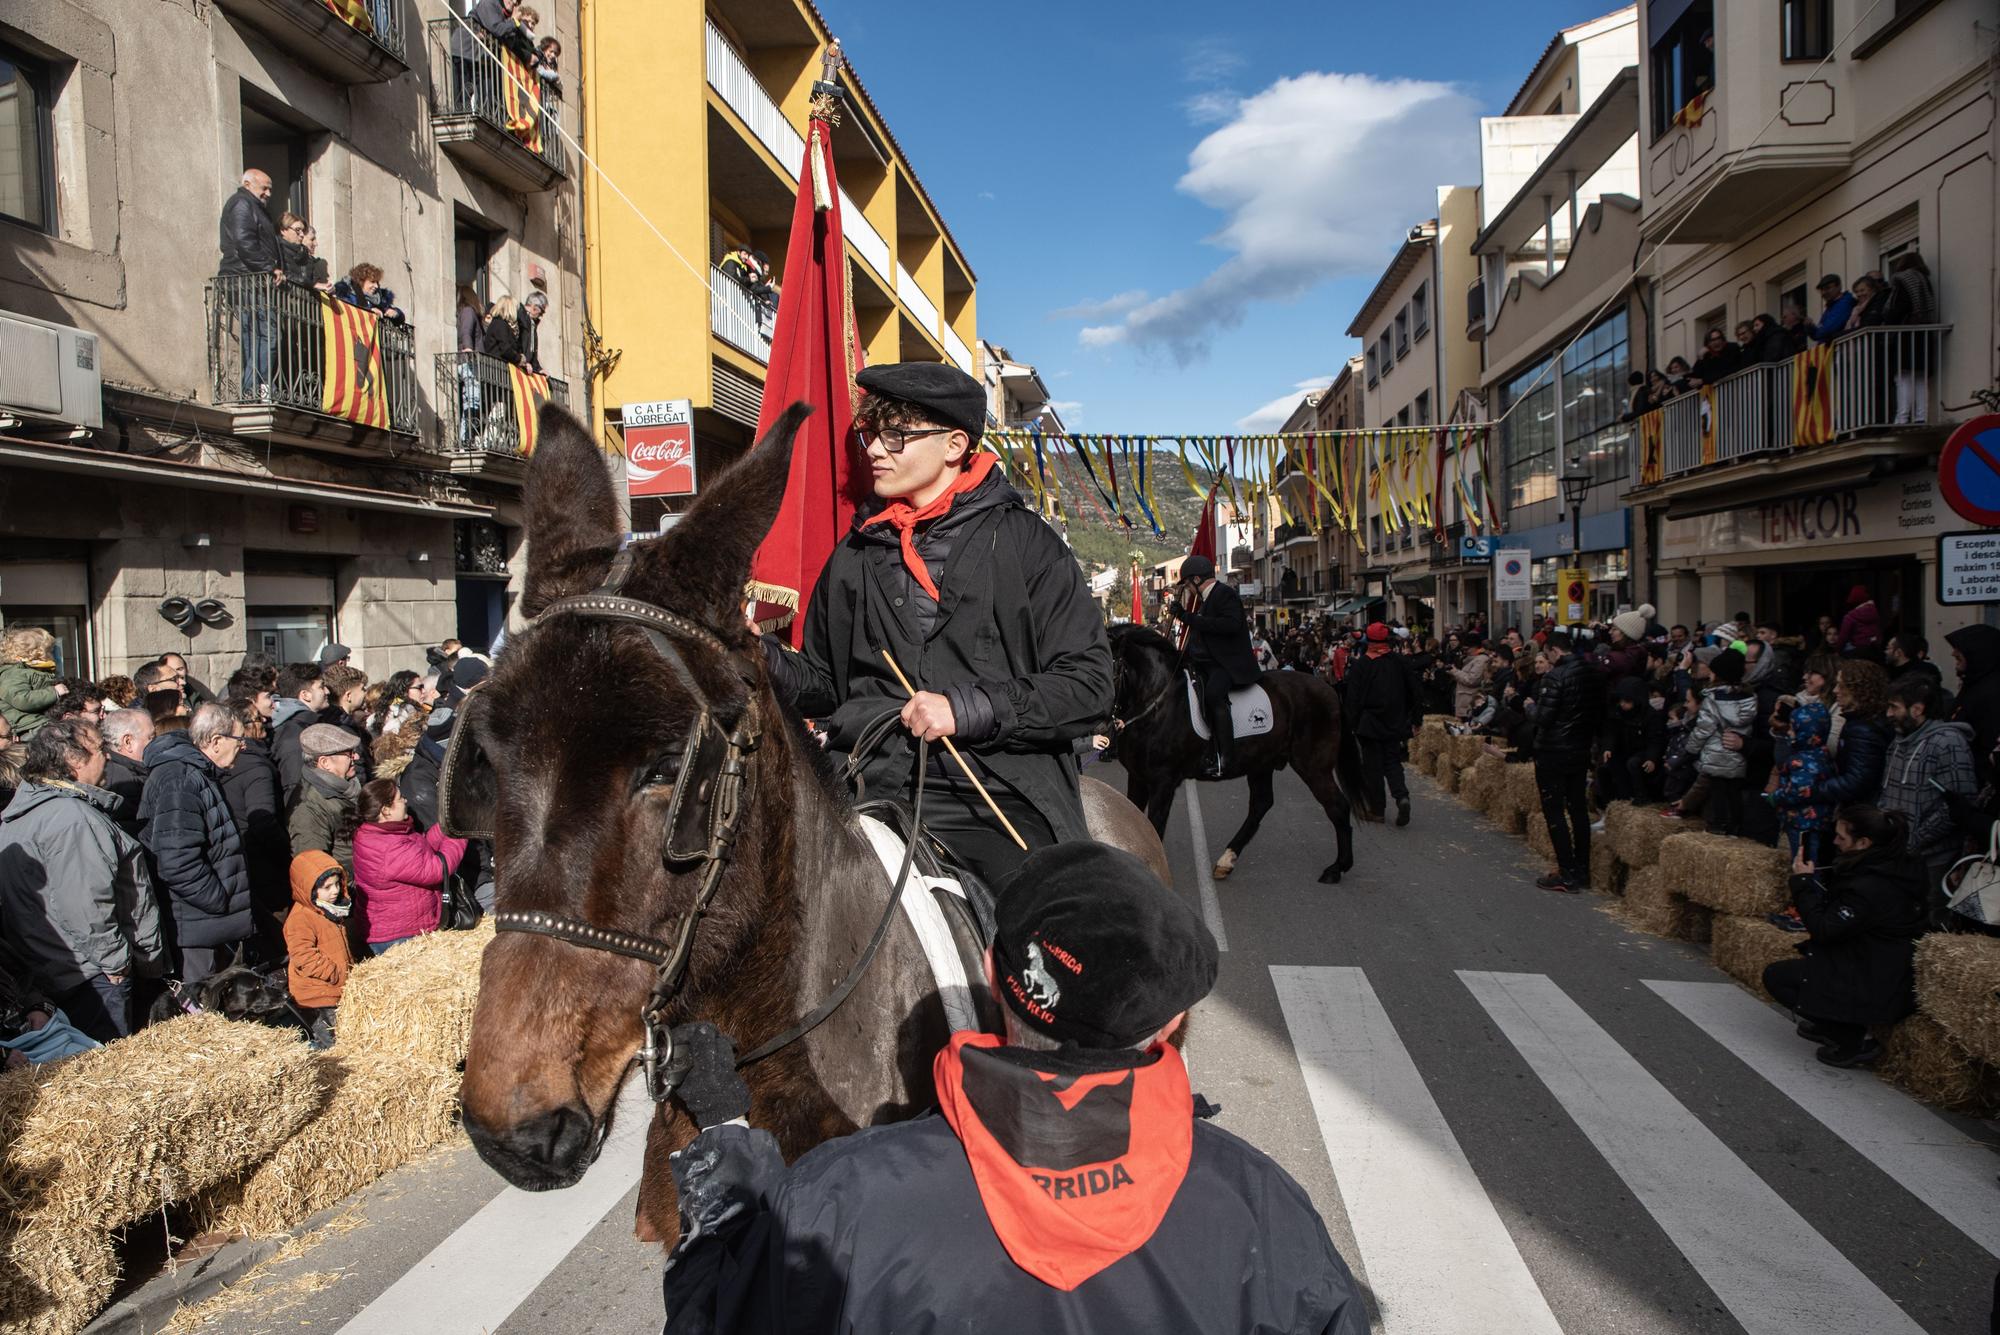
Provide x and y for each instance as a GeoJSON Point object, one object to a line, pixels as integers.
{"type": "Point", "coordinates": [1381, 702]}
{"type": "Point", "coordinates": [1569, 708]}
{"type": "Point", "coordinates": [1218, 649]}
{"type": "Point", "coordinates": [1629, 752]}
{"type": "Point", "coordinates": [255, 794]}
{"type": "Point", "coordinates": [1864, 913]}
{"type": "Point", "coordinates": [1975, 652]}
{"type": "Point", "coordinates": [1068, 1182]}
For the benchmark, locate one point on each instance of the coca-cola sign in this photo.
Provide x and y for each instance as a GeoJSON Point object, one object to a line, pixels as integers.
{"type": "Point", "coordinates": [659, 448]}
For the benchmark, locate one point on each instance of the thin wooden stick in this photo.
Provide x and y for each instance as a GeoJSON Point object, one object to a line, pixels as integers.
{"type": "Point", "coordinates": [991, 805]}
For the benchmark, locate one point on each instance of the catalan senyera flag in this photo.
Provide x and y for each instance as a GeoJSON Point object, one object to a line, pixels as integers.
{"type": "Point", "coordinates": [353, 386]}
{"type": "Point", "coordinates": [1652, 447]}
{"type": "Point", "coordinates": [529, 392]}
{"type": "Point", "coordinates": [354, 13]}
{"type": "Point", "coordinates": [1708, 424]}
{"type": "Point", "coordinates": [1690, 115]}
{"type": "Point", "coordinates": [1812, 395]}
{"type": "Point", "coordinates": [521, 100]}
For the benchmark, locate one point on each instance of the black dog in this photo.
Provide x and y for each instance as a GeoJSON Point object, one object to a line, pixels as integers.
{"type": "Point", "coordinates": [238, 992]}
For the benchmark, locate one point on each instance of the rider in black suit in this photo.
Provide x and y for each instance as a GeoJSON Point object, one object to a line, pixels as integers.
{"type": "Point", "coordinates": [1218, 648]}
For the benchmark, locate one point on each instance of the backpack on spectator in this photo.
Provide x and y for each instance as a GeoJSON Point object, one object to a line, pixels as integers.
{"type": "Point", "coordinates": [1978, 894]}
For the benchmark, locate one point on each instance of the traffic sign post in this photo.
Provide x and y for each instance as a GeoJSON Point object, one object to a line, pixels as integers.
{"type": "Point", "coordinates": [1573, 597]}
{"type": "Point", "coordinates": [1969, 471]}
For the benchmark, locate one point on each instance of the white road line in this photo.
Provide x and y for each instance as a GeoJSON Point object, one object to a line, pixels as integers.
{"type": "Point", "coordinates": [1773, 1271]}
{"type": "Point", "coordinates": [1409, 1191]}
{"type": "Point", "coordinates": [474, 1279]}
{"type": "Point", "coordinates": [1934, 1161]}
{"type": "Point", "coordinates": [1211, 906]}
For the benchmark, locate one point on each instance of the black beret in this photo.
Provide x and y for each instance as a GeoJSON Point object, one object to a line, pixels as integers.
{"type": "Point", "coordinates": [1092, 949]}
{"type": "Point", "coordinates": [954, 397]}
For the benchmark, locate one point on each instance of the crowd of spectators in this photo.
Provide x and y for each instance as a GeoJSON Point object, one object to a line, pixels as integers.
{"type": "Point", "coordinates": [154, 833]}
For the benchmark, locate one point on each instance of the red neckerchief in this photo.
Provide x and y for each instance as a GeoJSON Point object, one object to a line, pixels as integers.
{"type": "Point", "coordinates": [1117, 1145]}
{"type": "Point", "coordinates": [900, 515]}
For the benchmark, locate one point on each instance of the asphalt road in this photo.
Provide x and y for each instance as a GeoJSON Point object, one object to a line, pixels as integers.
{"type": "Point", "coordinates": [1515, 1113]}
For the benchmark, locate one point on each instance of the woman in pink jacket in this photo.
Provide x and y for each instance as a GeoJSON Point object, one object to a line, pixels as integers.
{"type": "Point", "coordinates": [399, 871]}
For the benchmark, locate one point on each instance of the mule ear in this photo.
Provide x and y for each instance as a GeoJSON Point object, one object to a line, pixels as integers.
{"type": "Point", "coordinates": [701, 564]}
{"type": "Point", "coordinates": [572, 513]}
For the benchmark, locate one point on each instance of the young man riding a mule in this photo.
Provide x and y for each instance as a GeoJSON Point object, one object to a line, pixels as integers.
{"type": "Point", "coordinates": [982, 606]}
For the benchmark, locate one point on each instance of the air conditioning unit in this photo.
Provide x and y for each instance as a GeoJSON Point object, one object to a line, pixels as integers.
{"type": "Point", "coordinates": [49, 371]}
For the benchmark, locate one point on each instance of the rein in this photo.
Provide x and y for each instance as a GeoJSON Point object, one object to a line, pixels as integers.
{"type": "Point", "coordinates": [729, 795]}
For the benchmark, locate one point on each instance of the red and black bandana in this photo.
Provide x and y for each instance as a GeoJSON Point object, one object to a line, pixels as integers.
{"type": "Point", "coordinates": [1075, 1171]}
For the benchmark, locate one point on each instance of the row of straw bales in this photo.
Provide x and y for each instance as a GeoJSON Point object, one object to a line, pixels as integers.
{"type": "Point", "coordinates": [1673, 879]}
{"type": "Point", "coordinates": [237, 1126]}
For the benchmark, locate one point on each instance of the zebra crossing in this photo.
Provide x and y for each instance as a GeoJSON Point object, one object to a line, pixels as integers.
{"type": "Point", "coordinates": [1438, 1255]}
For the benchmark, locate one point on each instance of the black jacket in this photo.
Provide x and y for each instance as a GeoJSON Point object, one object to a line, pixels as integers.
{"type": "Point", "coordinates": [1569, 706]}
{"type": "Point", "coordinates": [1382, 697]}
{"type": "Point", "coordinates": [1219, 634]}
{"type": "Point", "coordinates": [255, 794]}
{"type": "Point", "coordinates": [419, 780]}
{"type": "Point", "coordinates": [125, 779]}
{"type": "Point", "coordinates": [1979, 690]}
{"type": "Point", "coordinates": [501, 340]}
{"type": "Point", "coordinates": [1014, 642]}
{"type": "Point", "coordinates": [884, 1230]}
{"type": "Point", "coordinates": [487, 16]}
{"type": "Point", "coordinates": [1857, 767]}
{"type": "Point", "coordinates": [1864, 912]}
{"type": "Point", "coordinates": [1639, 733]}
{"type": "Point", "coordinates": [249, 239]}
{"type": "Point", "coordinates": [198, 866]}
{"type": "Point", "coordinates": [292, 719]}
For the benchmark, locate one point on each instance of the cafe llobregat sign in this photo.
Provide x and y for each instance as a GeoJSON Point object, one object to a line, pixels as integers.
{"type": "Point", "coordinates": [1901, 507]}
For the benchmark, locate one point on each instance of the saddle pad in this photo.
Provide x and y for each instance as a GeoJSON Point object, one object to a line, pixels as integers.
{"type": "Point", "coordinates": [926, 917]}
{"type": "Point", "coordinates": [1249, 710]}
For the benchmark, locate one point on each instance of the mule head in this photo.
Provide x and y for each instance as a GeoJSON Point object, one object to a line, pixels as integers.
{"type": "Point", "coordinates": [584, 725]}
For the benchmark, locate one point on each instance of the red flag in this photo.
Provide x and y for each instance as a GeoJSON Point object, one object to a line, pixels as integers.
{"type": "Point", "coordinates": [1204, 531]}
{"type": "Point", "coordinates": [1138, 602]}
{"type": "Point", "coordinates": [815, 353]}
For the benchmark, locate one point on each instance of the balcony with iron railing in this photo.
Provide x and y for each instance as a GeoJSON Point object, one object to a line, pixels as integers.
{"type": "Point", "coordinates": [1884, 381]}
{"type": "Point", "coordinates": [293, 365]}
{"type": "Point", "coordinates": [737, 318]}
{"type": "Point", "coordinates": [1475, 309]}
{"type": "Point", "coordinates": [483, 404]}
{"type": "Point", "coordinates": [490, 112]}
{"type": "Point", "coordinates": [361, 42]}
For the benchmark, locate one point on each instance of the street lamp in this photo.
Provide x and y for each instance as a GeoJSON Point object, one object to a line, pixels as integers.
{"type": "Point", "coordinates": [1575, 487]}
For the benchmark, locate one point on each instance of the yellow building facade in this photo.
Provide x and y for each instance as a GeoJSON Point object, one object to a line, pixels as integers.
{"type": "Point", "coordinates": [695, 115]}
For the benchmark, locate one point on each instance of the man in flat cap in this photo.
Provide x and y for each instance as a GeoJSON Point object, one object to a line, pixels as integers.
{"type": "Point", "coordinates": [983, 607]}
{"type": "Point", "coordinates": [1071, 1180]}
{"type": "Point", "coordinates": [322, 817]}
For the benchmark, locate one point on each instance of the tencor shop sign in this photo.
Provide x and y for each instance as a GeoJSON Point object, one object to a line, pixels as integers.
{"type": "Point", "coordinates": [1898, 508]}
{"type": "Point", "coordinates": [659, 448]}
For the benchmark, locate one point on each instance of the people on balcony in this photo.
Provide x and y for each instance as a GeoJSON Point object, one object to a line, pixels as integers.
{"type": "Point", "coordinates": [1915, 302]}
{"type": "Point", "coordinates": [1719, 357]}
{"type": "Point", "coordinates": [1770, 342]}
{"type": "Point", "coordinates": [1679, 374]}
{"type": "Point", "coordinates": [1798, 333]}
{"type": "Point", "coordinates": [510, 331]}
{"type": "Point", "coordinates": [297, 245]}
{"type": "Point", "coordinates": [751, 270]}
{"type": "Point", "coordinates": [475, 73]}
{"type": "Point", "coordinates": [1839, 305]}
{"type": "Point", "coordinates": [548, 67]}
{"type": "Point", "coordinates": [1871, 304]}
{"type": "Point", "coordinates": [249, 243]}
{"type": "Point", "coordinates": [522, 40]}
{"type": "Point", "coordinates": [363, 287]}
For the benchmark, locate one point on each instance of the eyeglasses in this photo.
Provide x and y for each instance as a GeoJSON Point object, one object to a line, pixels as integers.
{"type": "Point", "coordinates": [895, 439]}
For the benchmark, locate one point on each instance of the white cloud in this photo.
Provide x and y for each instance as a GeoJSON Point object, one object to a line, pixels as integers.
{"type": "Point", "coordinates": [1110, 308]}
{"type": "Point", "coordinates": [1070, 410]}
{"type": "Point", "coordinates": [1273, 414]}
{"type": "Point", "coordinates": [1212, 107]}
{"type": "Point", "coordinates": [1317, 177]}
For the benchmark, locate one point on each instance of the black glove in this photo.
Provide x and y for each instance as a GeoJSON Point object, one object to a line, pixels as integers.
{"type": "Point", "coordinates": [703, 1074]}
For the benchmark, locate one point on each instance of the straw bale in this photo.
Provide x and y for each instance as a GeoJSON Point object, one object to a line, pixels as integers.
{"type": "Point", "coordinates": [1429, 741]}
{"type": "Point", "coordinates": [1448, 774]}
{"type": "Point", "coordinates": [1725, 873]}
{"type": "Point", "coordinates": [1536, 827]}
{"type": "Point", "coordinates": [1500, 808]}
{"type": "Point", "coordinates": [416, 1001]}
{"type": "Point", "coordinates": [1476, 784]}
{"type": "Point", "coordinates": [1921, 1056]}
{"type": "Point", "coordinates": [1636, 831]}
{"type": "Point", "coordinates": [1648, 904]}
{"type": "Point", "coordinates": [1958, 977]}
{"type": "Point", "coordinates": [1743, 947]}
{"type": "Point", "coordinates": [53, 1281]}
{"type": "Point", "coordinates": [381, 1112]}
{"type": "Point", "coordinates": [1465, 749]}
{"type": "Point", "coordinates": [1607, 873]}
{"type": "Point", "coordinates": [111, 1135]}
{"type": "Point", "coordinates": [1522, 794]}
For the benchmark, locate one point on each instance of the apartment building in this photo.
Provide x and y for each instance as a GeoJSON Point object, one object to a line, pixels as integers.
{"type": "Point", "coordinates": [1415, 364]}
{"type": "Point", "coordinates": [1558, 317]}
{"type": "Point", "coordinates": [698, 113]}
{"type": "Point", "coordinates": [1294, 581]}
{"type": "Point", "coordinates": [182, 464]}
{"type": "Point", "coordinates": [1343, 407]}
{"type": "Point", "coordinates": [1780, 146]}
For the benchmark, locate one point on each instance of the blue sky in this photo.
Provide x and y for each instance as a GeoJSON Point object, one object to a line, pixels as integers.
{"type": "Point", "coordinates": [1174, 209]}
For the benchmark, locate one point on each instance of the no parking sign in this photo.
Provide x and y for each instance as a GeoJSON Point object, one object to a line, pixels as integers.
{"type": "Point", "coordinates": [1512, 575]}
{"type": "Point", "coordinates": [1969, 471]}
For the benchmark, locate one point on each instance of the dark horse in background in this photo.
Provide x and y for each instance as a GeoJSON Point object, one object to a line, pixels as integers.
{"type": "Point", "coordinates": [580, 721]}
{"type": "Point", "coordinates": [1159, 747]}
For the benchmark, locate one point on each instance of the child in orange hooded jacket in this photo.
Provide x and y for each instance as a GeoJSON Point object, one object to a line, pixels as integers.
{"type": "Point", "coordinates": [316, 938]}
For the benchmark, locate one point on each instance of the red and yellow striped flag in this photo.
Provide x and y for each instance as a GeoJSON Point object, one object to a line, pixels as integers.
{"type": "Point", "coordinates": [1812, 396]}
{"type": "Point", "coordinates": [354, 386]}
{"type": "Point", "coordinates": [529, 392]}
{"type": "Point", "coordinates": [1652, 447]}
{"type": "Point", "coordinates": [1708, 425]}
{"type": "Point", "coordinates": [354, 13]}
{"type": "Point", "coordinates": [521, 96]}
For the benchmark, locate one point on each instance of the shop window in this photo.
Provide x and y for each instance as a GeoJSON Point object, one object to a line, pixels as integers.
{"type": "Point", "coordinates": [1806, 29]}
{"type": "Point", "coordinates": [68, 624]}
{"type": "Point", "coordinates": [1683, 59]}
{"type": "Point", "coordinates": [27, 142]}
{"type": "Point", "coordinates": [289, 634]}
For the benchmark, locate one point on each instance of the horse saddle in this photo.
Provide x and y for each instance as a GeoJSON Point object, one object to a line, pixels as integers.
{"type": "Point", "coordinates": [934, 900]}
{"type": "Point", "coordinates": [1249, 710]}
